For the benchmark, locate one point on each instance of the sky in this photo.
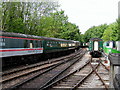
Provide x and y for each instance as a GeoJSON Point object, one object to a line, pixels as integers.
{"type": "Point", "coordinates": [88, 13]}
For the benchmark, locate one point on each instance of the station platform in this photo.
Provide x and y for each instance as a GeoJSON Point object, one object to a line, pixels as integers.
{"type": "Point", "coordinates": [114, 70]}
{"type": "Point", "coordinates": [116, 82]}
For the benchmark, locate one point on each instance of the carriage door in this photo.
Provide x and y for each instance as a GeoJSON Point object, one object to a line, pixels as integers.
{"type": "Point", "coordinates": [111, 45]}
{"type": "Point", "coordinates": [118, 45]}
{"type": "Point", "coordinates": [96, 45]}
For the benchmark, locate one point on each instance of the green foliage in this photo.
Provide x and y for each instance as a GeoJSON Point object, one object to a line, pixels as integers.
{"type": "Point", "coordinates": [16, 25]}
{"type": "Point", "coordinates": [57, 25]}
{"type": "Point", "coordinates": [111, 33]}
{"type": "Point", "coordinates": [106, 32]}
{"type": "Point", "coordinates": [37, 18]}
{"type": "Point", "coordinates": [70, 32]}
{"type": "Point", "coordinates": [95, 32]}
{"type": "Point", "coordinates": [118, 22]}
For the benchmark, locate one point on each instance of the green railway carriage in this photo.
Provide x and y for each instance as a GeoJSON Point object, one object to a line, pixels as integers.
{"type": "Point", "coordinates": [111, 47]}
{"type": "Point", "coordinates": [96, 47]}
{"type": "Point", "coordinates": [56, 45]}
{"type": "Point", "coordinates": [84, 45]}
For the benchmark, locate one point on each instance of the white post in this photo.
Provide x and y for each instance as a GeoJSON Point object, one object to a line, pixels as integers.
{"type": "Point", "coordinates": [119, 9]}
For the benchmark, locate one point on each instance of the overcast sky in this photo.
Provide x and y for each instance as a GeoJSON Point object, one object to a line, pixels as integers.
{"type": "Point", "coordinates": [88, 13]}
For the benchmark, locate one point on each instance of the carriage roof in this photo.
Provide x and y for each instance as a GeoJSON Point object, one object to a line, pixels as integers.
{"type": "Point", "coordinates": [95, 39]}
{"type": "Point", "coordinates": [32, 36]}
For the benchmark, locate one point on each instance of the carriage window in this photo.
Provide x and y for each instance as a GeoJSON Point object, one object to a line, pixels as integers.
{"type": "Point", "coordinates": [26, 44]}
{"type": "Point", "coordinates": [96, 44]}
{"type": "Point", "coordinates": [2, 42]}
{"type": "Point", "coordinates": [41, 45]}
{"type": "Point", "coordinates": [114, 45]}
{"type": "Point", "coordinates": [38, 44]}
{"type": "Point", "coordinates": [48, 43]}
{"type": "Point", "coordinates": [34, 44]}
{"type": "Point", "coordinates": [107, 44]}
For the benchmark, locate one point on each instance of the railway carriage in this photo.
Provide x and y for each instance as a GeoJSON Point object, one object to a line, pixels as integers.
{"type": "Point", "coordinates": [16, 47]}
{"type": "Point", "coordinates": [84, 45]}
{"type": "Point", "coordinates": [77, 44]}
{"type": "Point", "coordinates": [111, 47]}
{"type": "Point", "coordinates": [55, 45]}
{"type": "Point", "coordinates": [96, 47]}
{"type": "Point", "coordinates": [13, 44]}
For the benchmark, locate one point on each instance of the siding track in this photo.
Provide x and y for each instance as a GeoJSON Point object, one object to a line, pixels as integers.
{"type": "Point", "coordinates": [80, 78]}
{"type": "Point", "coordinates": [29, 77]}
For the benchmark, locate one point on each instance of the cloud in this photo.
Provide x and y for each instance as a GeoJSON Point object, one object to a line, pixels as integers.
{"type": "Point", "coordinates": [87, 13]}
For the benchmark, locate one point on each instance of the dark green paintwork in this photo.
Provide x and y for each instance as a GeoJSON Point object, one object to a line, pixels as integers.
{"type": "Point", "coordinates": [91, 45]}
{"type": "Point", "coordinates": [55, 47]}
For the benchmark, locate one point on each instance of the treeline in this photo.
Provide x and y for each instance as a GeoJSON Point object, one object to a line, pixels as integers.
{"type": "Point", "coordinates": [106, 32]}
{"type": "Point", "coordinates": [37, 18]}
{"type": "Point", "coordinates": [44, 19]}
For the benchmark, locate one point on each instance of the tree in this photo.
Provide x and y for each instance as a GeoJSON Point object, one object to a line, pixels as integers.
{"type": "Point", "coordinates": [23, 17]}
{"type": "Point", "coordinates": [37, 18]}
{"type": "Point", "coordinates": [70, 32]}
{"type": "Point", "coordinates": [118, 22]}
{"type": "Point", "coordinates": [57, 25]}
{"type": "Point", "coordinates": [95, 32]}
{"type": "Point", "coordinates": [111, 33]}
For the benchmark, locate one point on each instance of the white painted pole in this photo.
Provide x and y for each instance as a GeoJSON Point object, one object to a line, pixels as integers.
{"type": "Point", "coordinates": [119, 9]}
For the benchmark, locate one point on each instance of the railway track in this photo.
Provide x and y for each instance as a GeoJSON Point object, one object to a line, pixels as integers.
{"type": "Point", "coordinates": [21, 77]}
{"type": "Point", "coordinates": [12, 73]}
{"type": "Point", "coordinates": [21, 68]}
{"type": "Point", "coordinates": [80, 78]}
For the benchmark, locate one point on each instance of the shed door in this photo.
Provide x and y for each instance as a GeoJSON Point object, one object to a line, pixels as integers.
{"type": "Point", "coordinates": [96, 45]}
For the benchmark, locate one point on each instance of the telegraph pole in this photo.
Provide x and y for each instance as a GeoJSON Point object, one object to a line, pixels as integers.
{"type": "Point", "coordinates": [119, 25]}
{"type": "Point", "coordinates": [119, 20]}
{"type": "Point", "coordinates": [119, 9]}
